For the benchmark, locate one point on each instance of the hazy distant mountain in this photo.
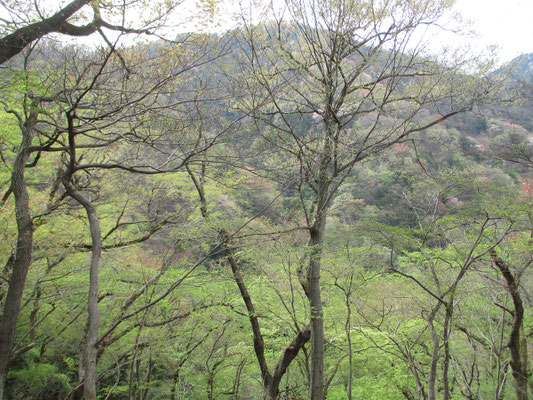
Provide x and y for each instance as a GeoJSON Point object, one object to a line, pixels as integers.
{"type": "Point", "coordinates": [522, 75]}
{"type": "Point", "coordinates": [523, 67]}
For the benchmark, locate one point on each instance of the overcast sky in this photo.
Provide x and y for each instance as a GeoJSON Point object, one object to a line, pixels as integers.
{"type": "Point", "coordinates": [506, 23]}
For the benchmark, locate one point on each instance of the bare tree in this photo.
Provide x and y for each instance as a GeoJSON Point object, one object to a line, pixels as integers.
{"type": "Point", "coordinates": [343, 81]}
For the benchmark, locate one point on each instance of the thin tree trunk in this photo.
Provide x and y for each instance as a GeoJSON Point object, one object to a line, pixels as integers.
{"type": "Point", "coordinates": [89, 387]}
{"type": "Point", "coordinates": [350, 355]}
{"type": "Point", "coordinates": [91, 352]}
{"type": "Point", "coordinates": [432, 378]}
{"type": "Point", "coordinates": [420, 393]}
{"type": "Point", "coordinates": [175, 383]}
{"type": "Point", "coordinates": [259, 345]}
{"type": "Point", "coordinates": [286, 358]}
{"type": "Point", "coordinates": [516, 343]}
{"type": "Point", "coordinates": [77, 392]}
{"type": "Point", "coordinates": [271, 382]}
{"type": "Point", "coordinates": [446, 341]}
{"type": "Point", "coordinates": [23, 251]}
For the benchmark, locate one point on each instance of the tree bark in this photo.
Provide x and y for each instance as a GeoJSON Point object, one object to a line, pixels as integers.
{"type": "Point", "coordinates": [286, 358]}
{"type": "Point", "coordinates": [270, 381]}
{"type": "Point", "coordinates": [316, 238]}
{"type": "Point", "coordinates": [23, 251]}
{"type": "Point", "coordinates": [446, 343]}
{"type": "Point", "coordinates": [15, 42]}
{"type": "Point", "coordinates": [259, 345]}
{"type": "Point", "coordinates": [435, 353]}
{"type": "Point", "coordinates": [516, 342]}
{"type": "Point", "coordinates": [89, 387]}
{"type": "Point", "coordinates": [91, 353]}
{"type": "Point", "coordinates": [317, 319]}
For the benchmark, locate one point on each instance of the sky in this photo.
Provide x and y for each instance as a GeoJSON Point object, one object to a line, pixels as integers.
{"type": "Point", "coordinates": [506, 23]}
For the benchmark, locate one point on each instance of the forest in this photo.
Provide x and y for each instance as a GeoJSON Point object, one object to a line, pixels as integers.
{"type": "Point", "coordinates": [313, 204]}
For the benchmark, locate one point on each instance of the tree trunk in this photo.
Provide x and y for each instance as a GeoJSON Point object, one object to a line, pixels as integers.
{"type": "Point", "coordinates": [317, 233]}
{"type": "Point", "coordinates": [259, 345]}
{"type": "Point", "coordinates": [420, 392]}
{"type": "Point", "coordinates": [285, 360]}
{"type": "Point", "coordinates": [89, 387]}
{"type": "Point", "coordinates": [435, 353]}
{"type": "Point", "coordinates": [270, 381]}
{"type": "Point", "coordinates": [23, 252]}
{"type": "Point", "coordinates": [77, 392]}
{"type": "Point", "coordinates": [93, 323]}
{"type": "Point", "coordinates": [175, 382]}
{"type": "Point", "coordinates": [315, 304]}
{"type": "Point", "coordinates": [446, 342]}
{"type": "Point", "coordinates": [517, 342]}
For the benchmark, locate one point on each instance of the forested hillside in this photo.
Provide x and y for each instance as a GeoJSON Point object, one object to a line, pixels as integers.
{"type": "Point", "coordinates": [306, 207]}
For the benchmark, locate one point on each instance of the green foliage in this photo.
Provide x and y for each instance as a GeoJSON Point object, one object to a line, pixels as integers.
{"type": "Point", "coordinates": [399, 230]}
{"type": "Point", "coordinates": [38, 381]}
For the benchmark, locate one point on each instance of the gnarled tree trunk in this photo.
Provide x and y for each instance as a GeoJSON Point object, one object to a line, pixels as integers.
{"type": "Point", "coordinates": [23, 251]}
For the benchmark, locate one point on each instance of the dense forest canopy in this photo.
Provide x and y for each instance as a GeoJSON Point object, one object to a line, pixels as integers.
{"type": "Point", "coordinates": [309, 205]}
